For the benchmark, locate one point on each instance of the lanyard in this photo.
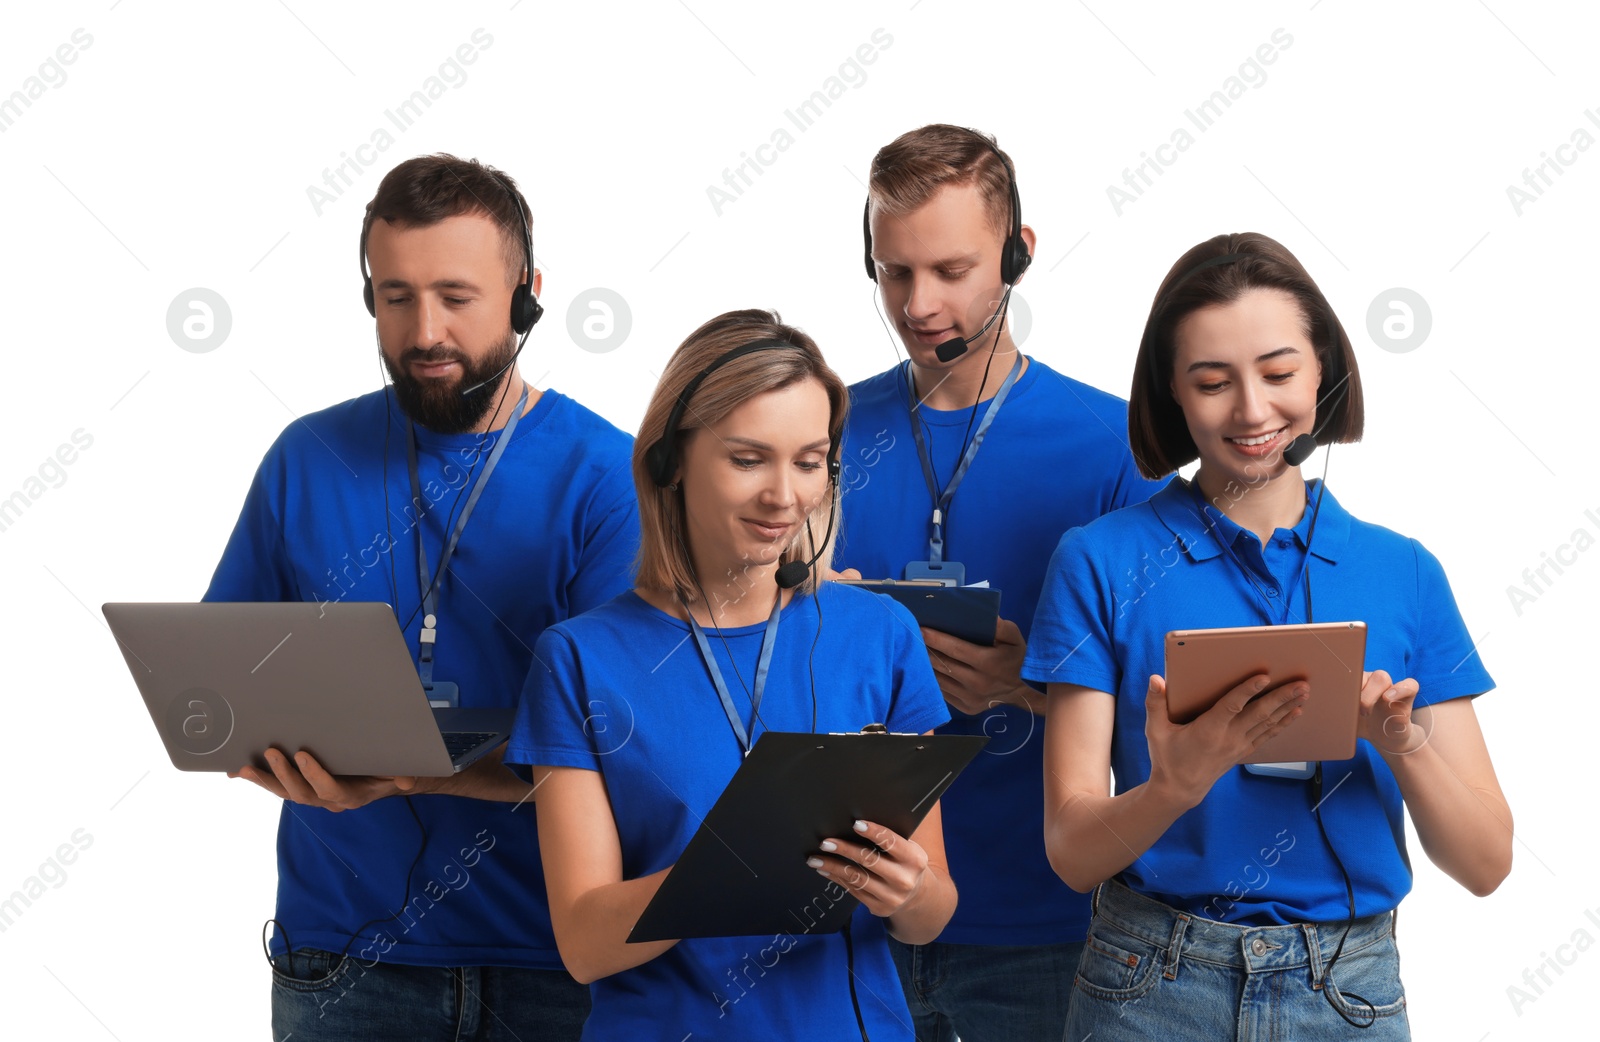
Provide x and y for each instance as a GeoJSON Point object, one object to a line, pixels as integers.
{"type": "Point", "coordinates": [769, 640]}
{"type": "Point", "coordinates": [941, 501]}
{"type": "Point", "coordinates": [427, 581]}
{"type": "Point", "coordinates": [1288, 593]}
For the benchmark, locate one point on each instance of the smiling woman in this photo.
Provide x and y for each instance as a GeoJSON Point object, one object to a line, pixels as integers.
{"type": "Point", "coordinates": [722, 639]}
{"type": "Point", "coordinates": [1241, 356]}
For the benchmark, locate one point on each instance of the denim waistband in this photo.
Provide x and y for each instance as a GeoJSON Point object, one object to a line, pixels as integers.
{"type": "Point", "coordinates": [1255, 949]}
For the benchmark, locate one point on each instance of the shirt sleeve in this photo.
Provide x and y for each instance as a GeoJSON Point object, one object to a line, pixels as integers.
{"type": "Point", "coordinates": [606, 564]}
{"type": "Point", "coordinates": [556, 725]}
{"type": "Point", "coordinates": [255, 564]}
{"type": "Point", "coordinates": [1444, 661]}
{"type": "Point", "coordinates": [1071, 639]}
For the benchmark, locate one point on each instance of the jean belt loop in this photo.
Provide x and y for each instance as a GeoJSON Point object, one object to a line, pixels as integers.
{"type": "Point", "coordinates": [1094, 899]}
{"type": "Point", "coordinates": [1175, 946]}
{"type": "Point", "coordinates": [1313, 954]}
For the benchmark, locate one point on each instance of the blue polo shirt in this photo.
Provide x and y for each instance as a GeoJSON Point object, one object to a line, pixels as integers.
{"type": "Point", "coordinates": [554, 534]}
{"type": "Point", "coordinates": [1251, 853]}
{"type": "Point", "coordinates": [623, 690]}
{"type": "Point", "coordinates": [1055, 458]}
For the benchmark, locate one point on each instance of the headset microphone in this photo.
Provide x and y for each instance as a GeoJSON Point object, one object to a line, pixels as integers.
{"type": "Point", "coordinates": [792, 573]}
{"type": "Point", "coordinates": [480, 385]}
{"type": "Point", "coordinates": [1014, 254]}
{"type": "Point", "coordinates": [957, 346]}
{"type": "Point", "coordinates": [525, 307]}
{"type": "Point", "coordinates": [1300, 450]}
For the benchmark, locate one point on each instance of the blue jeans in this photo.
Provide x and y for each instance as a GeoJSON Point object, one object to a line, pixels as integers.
{"type": "Point", "coordinates": [987, 993]}
{"type": "Point", "coordinates": [325, 997]}
{"type": "Point", "coordinates": [1150, 972]}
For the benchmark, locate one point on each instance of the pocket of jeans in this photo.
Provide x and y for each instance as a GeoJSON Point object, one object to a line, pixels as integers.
{"type": "Point", "coordinates": [1365, 985]}
{"type": "Point", "coordinates": [308, 970]}
{"type": "Point", "coordinates": [1116, 965]}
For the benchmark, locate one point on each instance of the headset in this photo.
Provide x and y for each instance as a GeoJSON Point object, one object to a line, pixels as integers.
{"type": "Point", "coordinates": [525, 307]}
{"type": "Point", "coordinates": [662, 458]}
{"type": "Point", "coordinates": [1295, 453]}
{"type": "Point", "coordinates": [1014, 255]}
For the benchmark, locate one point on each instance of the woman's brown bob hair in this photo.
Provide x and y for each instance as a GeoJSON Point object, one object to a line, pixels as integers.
{"type": "Point", "coordinates": [664, 562]}
{"type": "Point", "coordinates": [1228, 267]}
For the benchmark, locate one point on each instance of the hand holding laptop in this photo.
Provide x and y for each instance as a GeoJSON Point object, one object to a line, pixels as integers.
{"type": "Point", "coordinates": [302, 779]}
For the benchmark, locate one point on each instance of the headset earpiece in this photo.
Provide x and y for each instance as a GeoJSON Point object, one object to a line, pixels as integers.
{"type": "Point", "coordinates": [525, 307]}
{"type": "Point", "coordinates": [661, 458]}
{"type": "Point", "coordinates": [1014, 255]}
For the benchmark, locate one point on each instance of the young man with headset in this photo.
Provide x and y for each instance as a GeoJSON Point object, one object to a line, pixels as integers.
{"type": "Point", "coordinates": [484, 511]}
{"type": "Point", "coordinates": [946, 244]}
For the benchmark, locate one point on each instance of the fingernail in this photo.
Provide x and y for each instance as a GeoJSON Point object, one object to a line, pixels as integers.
{"type": "Point", "coordinates": [861, 826]}
{"type": "Point", "coordinates": [823, 873]}
{"type": "Point", "coordinates": [1261, 682]}
{"type": "Point", "coordinates": [813, 862]}
{"type": "Point", "coordinates": [829, 845]}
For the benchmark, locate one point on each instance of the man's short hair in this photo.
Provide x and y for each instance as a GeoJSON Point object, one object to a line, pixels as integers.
{"type": "Point", "coordinates": [1157, 432]}
{"type": "Point", "coordinates": [426, 190]}
{"type": "Point", "coordinates": [909, 170]}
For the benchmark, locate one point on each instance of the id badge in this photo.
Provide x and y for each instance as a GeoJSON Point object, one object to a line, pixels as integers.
{"type": "Point", "coordinates": [1298, 770]}
{"type": "Point", "coordinates": [951, 573]}
{"type": "Point", "coordinates": [442, 694]}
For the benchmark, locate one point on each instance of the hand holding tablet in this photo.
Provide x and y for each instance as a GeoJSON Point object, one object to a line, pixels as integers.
{"type": "Point", "coordinates": [1204, 665]}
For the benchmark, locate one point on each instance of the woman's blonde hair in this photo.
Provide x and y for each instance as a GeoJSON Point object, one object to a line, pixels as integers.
{"type": "Point", "coordinates": [664, 562]}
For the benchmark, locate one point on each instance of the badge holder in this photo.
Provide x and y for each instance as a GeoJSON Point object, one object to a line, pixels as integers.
{"type": "Point", "coordinates": [442, 694]}
{"type": "Point", "coordinates": [950, 573]}
{"type": "Point", "coordinates": [1295, 771]}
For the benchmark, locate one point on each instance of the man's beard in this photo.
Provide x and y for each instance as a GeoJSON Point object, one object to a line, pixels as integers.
{"type": "Point", "coordinates": [439, 405]}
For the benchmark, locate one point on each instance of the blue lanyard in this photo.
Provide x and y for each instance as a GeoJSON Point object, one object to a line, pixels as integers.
{"type": "Point", "coordinates": [1288, 593]}
{"type": "Point", "coordinates": [428, 582]}
{"type": "Point", "coordinates": [941, 500]}
{"type": "Point", "coordinates": [769, 640]}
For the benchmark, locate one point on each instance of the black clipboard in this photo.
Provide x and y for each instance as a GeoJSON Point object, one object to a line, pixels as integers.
{"type": "Point", "coordinates": [971, 613]}
{"type": "Point", "coordinates": [744, 872]}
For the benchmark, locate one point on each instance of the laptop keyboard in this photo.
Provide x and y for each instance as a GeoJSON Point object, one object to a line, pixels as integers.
{"type": "Point", "coordinates": [459, 743]}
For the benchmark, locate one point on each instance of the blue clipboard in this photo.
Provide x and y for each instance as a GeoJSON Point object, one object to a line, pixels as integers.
{"type": "Point", "coordinates": [971, 613]}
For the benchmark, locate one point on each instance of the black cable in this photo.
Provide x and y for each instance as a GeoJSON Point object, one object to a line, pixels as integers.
{"type": "Point", "coordinates": [405, 902]}
{"type": "Point", "coordinates": [989, 362]}
{"type": "Point", "coordinates": [811, 661]}
{"type": "Point", "coordinates": [1350, 895]}
{"type": "Point", "coordinates": [1312, 530]}
{"type": "Point", "coordinates": [755, 710]}
{"type": "Point", "coordinates": [850, 970]}
{"type": "Point", "coordinates": [478, 456]}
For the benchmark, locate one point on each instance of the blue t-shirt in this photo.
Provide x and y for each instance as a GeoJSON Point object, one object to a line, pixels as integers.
{"type": "Point", "coordinates": [1251, 852]}
{"type": "Point", "coordinates": [623, 690]}
{"type": "Point", "coordinates": [1056, 457]}
{"type": "Point", "coordinates": [554, 534]}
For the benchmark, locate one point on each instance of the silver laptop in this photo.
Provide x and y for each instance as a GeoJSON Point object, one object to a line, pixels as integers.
{"type": "Point", "coordinates": [225, 681]}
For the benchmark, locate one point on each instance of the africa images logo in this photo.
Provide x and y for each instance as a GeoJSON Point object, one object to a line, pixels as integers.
{"type": "Point", "coordinates": [199, 721]}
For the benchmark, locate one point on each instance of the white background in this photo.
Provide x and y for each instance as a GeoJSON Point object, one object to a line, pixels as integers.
{"type": "Point", "coordinates": [178, 153]}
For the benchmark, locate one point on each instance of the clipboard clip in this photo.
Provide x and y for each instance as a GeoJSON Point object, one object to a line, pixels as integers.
{"type": "Point", "coordinates": [875, 729]}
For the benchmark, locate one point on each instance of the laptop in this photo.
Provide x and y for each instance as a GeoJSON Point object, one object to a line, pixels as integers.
{"type": "Point", "coordinates": [225, 681]}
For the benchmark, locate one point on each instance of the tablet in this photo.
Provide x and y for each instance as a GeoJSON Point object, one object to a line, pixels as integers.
{"type": "Point", "coordinates": [1204, 665]}
{"type": "Point", "coordinates": [971, 613]}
